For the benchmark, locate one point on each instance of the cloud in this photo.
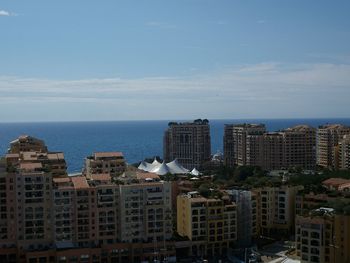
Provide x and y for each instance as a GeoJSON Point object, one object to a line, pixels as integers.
{"type": "Point", "coordinates": [261, 21]}
{"type": "Point", "coordinates": [161, 25]}
{"type": "Point", "coordinates": [6, 13]}
{"type": "Point", "coordinates": [250, 91]}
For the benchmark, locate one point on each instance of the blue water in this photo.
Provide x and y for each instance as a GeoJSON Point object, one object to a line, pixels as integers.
{"type": "Point", "coordinates": [136, 139]}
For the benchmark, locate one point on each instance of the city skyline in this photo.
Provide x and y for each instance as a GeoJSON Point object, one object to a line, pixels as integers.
{"type": "Point", "coordinates": [173, 60]}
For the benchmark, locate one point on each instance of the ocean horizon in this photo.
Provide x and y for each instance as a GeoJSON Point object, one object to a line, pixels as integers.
{"type": "Point", "coordinates": [136, 139]}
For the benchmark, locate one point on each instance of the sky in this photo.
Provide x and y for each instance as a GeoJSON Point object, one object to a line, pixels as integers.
{"type": "Point", "coordinates": [181, 59]}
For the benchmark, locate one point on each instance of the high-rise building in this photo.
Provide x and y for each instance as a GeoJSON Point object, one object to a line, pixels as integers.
{"type": "Point", "coordinates": [265, 150]}
{"type": "Point", "coordinates": [210, 224]}
{"type": "Point", "coordinates": [300, 147]}
{"type": "Point", "coordinates": [29, 193]}
{"type": "Point", "coordinates": [188, 142]}
{"type": "Point", "coordinates": [235, 142]}
{"type": "Point", "coordinates": [323, 236]}
{"type": "Point", "coordinates": [26, 143]}
{"type": "Point", "coordinates": [228, 143]}
{"type": "Point", "coordinates": [252, 145]}
{"type": "Point", "coordinates": [112, 163]}
{"type": "Point", "coordinates": [276, 209]}
{"type": "Point", "coordinates": [48, 216]}
{"type": "Point", "coordinates": [246, 207]}
{"type": "Point", "coordinates": [344, 153]}
{"type": "Point", "coordinates": [328, 137]}
{"type": "Point", "coordinates": [145, 212]}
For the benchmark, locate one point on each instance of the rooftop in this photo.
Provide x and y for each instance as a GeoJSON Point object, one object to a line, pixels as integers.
{"type": "Point", "coordinates": [333, 126]}
{"type": "Point", "coordinates": [108, 154]}
{"type": "Point", "coordinates": [80, 182]}
{"type": "Point", "coordinates": [30, 166]}
{"type": "Point", "coordinates": [335, 181]}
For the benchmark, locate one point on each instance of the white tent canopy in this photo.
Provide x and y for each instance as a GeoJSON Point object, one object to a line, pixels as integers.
{"type": "Point", "coordinates": [162, 169]}
{"type": "Point", "coordinates": [173, 167]}
{"type": "Point", "coordinates": [195, 172]}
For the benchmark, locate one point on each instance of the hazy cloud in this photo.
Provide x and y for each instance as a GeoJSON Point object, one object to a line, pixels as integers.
{"type": "Point", "coordinates": [162, 25]}
{"type": "Point", "coordinates": [261, 90]}
{"type": "Point", "coordinates": [6, 13]}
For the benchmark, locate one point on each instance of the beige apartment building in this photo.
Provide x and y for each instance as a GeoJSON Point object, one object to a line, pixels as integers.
{"type": "Point", "coordinates": [26, 143]}
{"type": "Point", "coordinates": [276, 209]}
{"type": "Point", "coordinates": [188, 142]}
{"type": "Point", "coordinates": [343, 153]}
{"type": "Point", "coordinates": [323, 236]}
{"type": "Point", "coordinates": [247, 215]}
{"type": "Point", "coordinates": [235, 142]}
{"type": "Point", "coordinates": [265, 151]}
{"type": "Point", "coordinates": [252, 145]}
{"type": "Point", "coordinates": [112, 163]}
{"type": "Point", "coordinates": [145, 211]}
{"type": "Point", "coordinates": [48, 216]}
{"type": "Point", "coordinates": [328, 138]}
{"type": "Point", "coordinates": [210, 224]}
{"type": "Point", "coordinates": [300, 147]}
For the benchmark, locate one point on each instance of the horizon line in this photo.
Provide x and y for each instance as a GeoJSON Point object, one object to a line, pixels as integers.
{"type": "Point", "coordinates": [148, 120]}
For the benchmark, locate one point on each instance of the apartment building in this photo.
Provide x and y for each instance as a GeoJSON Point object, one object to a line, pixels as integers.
{"type": "Point", "coordinates": [228, 143]}
{"type": "Point", "coordinates": [112, 163]}
{"type": "Point", "coordinates": [32, 151]}
{"type": "Point", "coordinates": [29, 203]}
{"type": "Point", "coordinates": [252, 145]}
{"type": "Point", "coordinates": [26, 143]}
{"type": "Point", "coordinates": [265, 150]}
{"type": "Point", "coordinates": [276, 209]}
{"type": "Point", "coordinates": [210, 224]}
{"type": "Point", "coordinates": [188, 142]}
{"type": "Point", "coordinates": [314, 235]}
{"type": "Point", "coordinates": [247, 227]}
{"type": "Point", "coordinates": [328, 137]}
{"type": "Point", "coordinates": [305, 202]}
{"type": "Point", "coordinates": [344, 153]}
{"type": "Point", "coordinates": [323, 236]}
{"type": "Point", "coordinates": [47, 216]}
{"type": "Point", "coordinates": [235, 141]}
{"type": "Point", "coordinates": [145, 211]}
{"type": "Point", "coordinates": [300, 147]}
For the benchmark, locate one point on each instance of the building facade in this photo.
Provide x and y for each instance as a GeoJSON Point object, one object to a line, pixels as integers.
{"type": "Point", "coordinates": [246, 206]}
{"type": "Point", "coordinates": [250, 144]}
{"type": "Point", "coordinates": [328, 137]}
{"type": "Point", "coordinates": [210, 224]}
{"type": "Point", "coordinates": [112, 163]}
{"type": "Point", "coordinates": [344, 153]}
{"type": "Point", "coordinates": [323, 236]}
{"type": "Point", "coordinates": [188, 142]}
{"type": "Point", "coordinates": [48, 216]}
{"type": "Point", "coordinates": [276, 210]}
{"type": "Point", "coordinates": [235, 141]}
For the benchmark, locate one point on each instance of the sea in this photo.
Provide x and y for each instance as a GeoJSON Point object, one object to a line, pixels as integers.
{"type": "Point", "coordinates": [136, 139]}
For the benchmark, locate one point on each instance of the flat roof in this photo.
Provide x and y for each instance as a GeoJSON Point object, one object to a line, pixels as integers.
{"type": "Point", "coordinates": [108, 154]}
{"type": "Point", "coordinates": [80, 182]}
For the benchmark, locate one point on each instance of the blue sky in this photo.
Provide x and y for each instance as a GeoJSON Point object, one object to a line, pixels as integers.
{"type": "Point", "coordinates": [183, 59]}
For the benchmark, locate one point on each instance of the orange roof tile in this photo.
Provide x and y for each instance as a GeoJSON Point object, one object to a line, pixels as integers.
{"type": "Point", "coordinates": [335, 181]}
{"type": "Point", "coordinates": [80, 182]}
